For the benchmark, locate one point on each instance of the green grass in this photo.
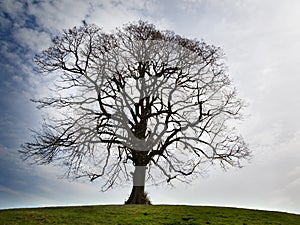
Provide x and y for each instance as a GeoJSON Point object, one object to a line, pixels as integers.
{"type": "Point", "coordinates": [134, 214]}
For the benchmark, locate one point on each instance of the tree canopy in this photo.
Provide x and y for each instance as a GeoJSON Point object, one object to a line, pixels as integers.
{"type": "Point", "coordinates": [136, 101]}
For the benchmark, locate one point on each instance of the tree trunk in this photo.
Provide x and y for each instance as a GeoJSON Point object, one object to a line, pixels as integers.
{"type": "Point", "coordinates": [138, 195]}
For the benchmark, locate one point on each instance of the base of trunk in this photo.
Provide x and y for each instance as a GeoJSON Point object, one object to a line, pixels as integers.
{"type": "Point", "coordinates": [138, 196]}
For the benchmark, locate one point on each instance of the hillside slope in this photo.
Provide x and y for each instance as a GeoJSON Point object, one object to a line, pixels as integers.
{"type": "Point", "coordinates": [135, 214]}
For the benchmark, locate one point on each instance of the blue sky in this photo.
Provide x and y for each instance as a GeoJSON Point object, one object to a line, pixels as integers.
{"type": "Point", "coordinates": [261, 41]}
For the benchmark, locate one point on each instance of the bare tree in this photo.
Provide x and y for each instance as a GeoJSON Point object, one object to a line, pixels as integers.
{"type": "Point", "coordinates": [134, 104]}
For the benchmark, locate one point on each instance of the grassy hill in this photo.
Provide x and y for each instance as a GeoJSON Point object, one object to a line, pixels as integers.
{"type": "Point", "coordinates": [134, 214]}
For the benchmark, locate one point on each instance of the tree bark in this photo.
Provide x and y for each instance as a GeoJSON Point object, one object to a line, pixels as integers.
{"type": "Point", "coordinates": [138, 195]}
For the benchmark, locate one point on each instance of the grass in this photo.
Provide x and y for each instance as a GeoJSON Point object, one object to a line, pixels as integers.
{"type": "Point", "coordinates": [135, 214]}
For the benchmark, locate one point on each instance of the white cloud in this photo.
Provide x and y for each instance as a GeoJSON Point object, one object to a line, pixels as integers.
{"type": "Point", "coordinates": [111, 14]}
{"type": "Point", "coordinates": [58, 15]}
{"type": "Point", "coordinates": [12, 7]}
{"type": "Point", "coordinates": [32, 39]}
{"type": "Point", "coordinates": [15, 10]}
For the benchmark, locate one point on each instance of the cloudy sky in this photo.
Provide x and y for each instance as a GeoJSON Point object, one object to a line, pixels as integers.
{"type": "Point", "coordinates": [261, 39]}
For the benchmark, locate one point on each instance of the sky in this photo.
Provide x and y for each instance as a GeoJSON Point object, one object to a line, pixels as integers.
{"type": "Point", "coordinates": [261, 40]}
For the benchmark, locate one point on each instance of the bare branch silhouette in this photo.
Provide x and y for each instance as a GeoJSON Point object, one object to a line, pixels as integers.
{"type": "Point", "coordinates": [140, 97]}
